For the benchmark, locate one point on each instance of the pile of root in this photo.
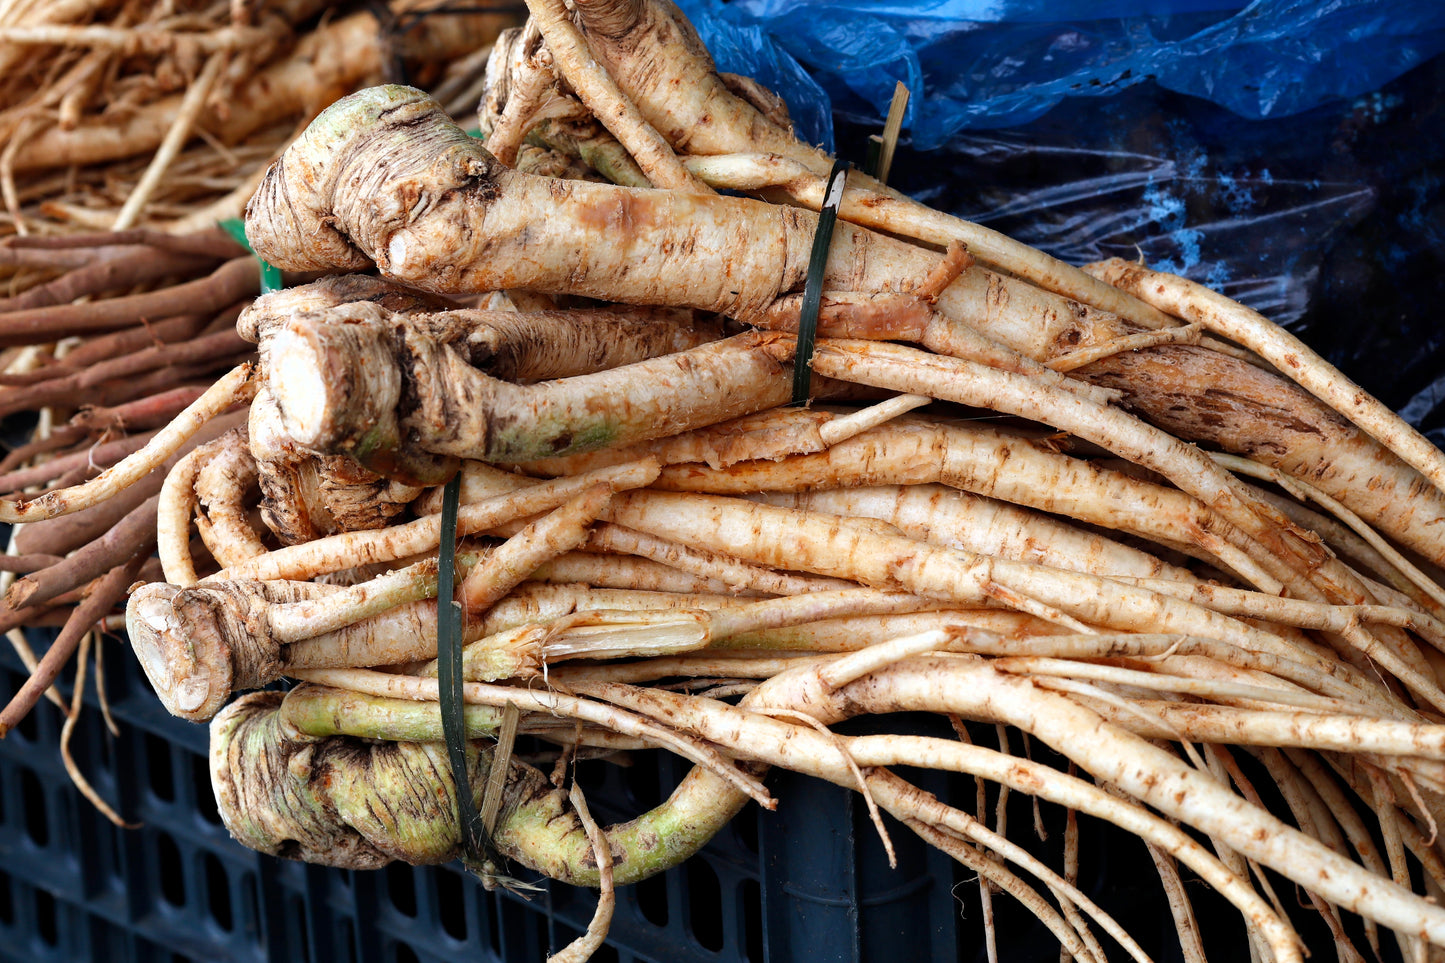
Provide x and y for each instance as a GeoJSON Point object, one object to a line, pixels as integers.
{"type": "Point", "coordinates": [547, 378]}
{"type": "Point", "coordinates": [119, 113]}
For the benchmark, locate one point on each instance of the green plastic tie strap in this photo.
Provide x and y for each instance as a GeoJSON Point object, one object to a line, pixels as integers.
{"type": "Point", "coordinates": [813, 287]}
{"type": "Point", "coordinates": [476, 846]}
{"type": "Point", "coordinates": [270, 273]}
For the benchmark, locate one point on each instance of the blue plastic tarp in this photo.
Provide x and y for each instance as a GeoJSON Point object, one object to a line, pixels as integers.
{"type": "Point", "coordinates": [975, 65]}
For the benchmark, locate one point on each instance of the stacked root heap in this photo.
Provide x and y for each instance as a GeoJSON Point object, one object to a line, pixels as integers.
{"type": "Point", "coordinates": [1177, 538]}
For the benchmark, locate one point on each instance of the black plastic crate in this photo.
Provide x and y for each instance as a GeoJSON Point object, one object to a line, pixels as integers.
{"type": "Point", "coordinates": [808, 881]}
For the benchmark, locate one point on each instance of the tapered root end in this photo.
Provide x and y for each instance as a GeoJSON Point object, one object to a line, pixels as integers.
{"type": "Point", "coordinates": [186, 660]}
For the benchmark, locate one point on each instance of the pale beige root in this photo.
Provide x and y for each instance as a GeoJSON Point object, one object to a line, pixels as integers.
{"type": "Point", "coordinates": [868, 204]}
{"type": "Point", "coordinates": [987, 461]}
{"type": "Point", "coordinates": [199, 644]}
{"type": "Point", "coordinates": [1151, 775]}
{"type": "Point", "coordinates": [1314, 819]}
{"type": "Point", "coordinates": [1360, 774]}
{"type": "Point", "coordinates": [1300, 613]}
{"type": "Point", "coordinates": [519, 79]}
{"type": "Point", "coordinates": [559, 531]}
{"type": "Point", "coordinates": [970, 630]}
{"type": "Point", "coordinates": [236, 387]}
{"type": "Point", "coordinates": [1221, 402]}
{"type": "Point", "coordinates": [403, 633]}
{"type": "Point", "coordinates": [581, 949]}
{"type": "Point", "coordinates": [799, 540]}
{"type": "Point", "coordinates": [326, 204]}
{"type": "Point", "coordinates": [222, 484]}
{"type": "Point", "coordinates": [312, 213]}
{"type": "Point", "coordinates": [595, 87]}
{"type": "Point", "coordinates": [681, 95]}
{"type": "Point", "coordinates": [351, 549]}
{"type": "Point", "coordinates": [333, 608]}
{"type": "Point", "coordinates": [1074, 360]}
{"type": "Point", "coordinates": [173, 521]}
{"type": "Point", "coordinates": [516, 345]}
{"type": "Point", "coordinates": [507, 64]}
{"type": "Point", "coordinates": [1173, 676]}
{"type": "Point", "coordinates": [1293, 556]}
{"type": "Point", "coordinates": [621, 634]}
{"type": "Point", "coordinates": [1221, 765]}
{"type": "Point", "coordinates": [755, 736]}
{"type": "Point", "coordinates": [262, 317]}
{"type": "Point", "coordinates": [844, 548]}
{"type": "Point", "coordinates": [1422, 584]}
{"type": "Point", "coordinates": [914, 318]}
{"type": "Point", "coordinates": [1169, 778]}
{"type": "Point", "coordinates": [1186, 925]}
{"type": "Point", "coordinates": [1351, 547]}
{"type": "Point", "coordinates": [338, 383]}
{"type": "Point", "coordinates": [767, 436]}
{"type": "Point", "coordinates": [290, 501]}
{"type": "Point", "coordinates": [721, 566]}
{"type": "Point", "coordinates": [307, 496]}
{"type": "Point", "coordinates": [954, 519]}
{"type": "Point", "coordinates": [536, 602]}
{"type": "Point", "coordinates": [719, 665]}
{"type": "Point", "coordinates": [1323, 783]}
{"type": "Point", "coordinates": [627, 572]}
{"type": "Point", "coordinates": [519, 634]}
{"type": "Point", "coordinates": [1196, 303]}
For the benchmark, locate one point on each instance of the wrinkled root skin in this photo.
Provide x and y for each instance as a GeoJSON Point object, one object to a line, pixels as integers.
{"type": "Point", "coordinates": [307, 496]}
{"type": "Point", "coordinates": [352, 381]}
{"type": "Point", "coordinates": [358, 804]}
{"type": "Point", "coordinates": [382, 176]}
{"type": "Point", "coordinates": [1207, 397]}
{"type": "Point", "coordinates": [348, 803]}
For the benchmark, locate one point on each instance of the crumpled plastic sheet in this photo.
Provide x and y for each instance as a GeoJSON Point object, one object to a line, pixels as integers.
{"type": "Point", "coordinates": [1283, 153]}
{"type": "Point", "coordinates": [999, 63]}
{"type": "Point", "coordinates": [1136, 182]}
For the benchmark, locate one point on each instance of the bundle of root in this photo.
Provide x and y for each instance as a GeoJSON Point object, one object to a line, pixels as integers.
{"type": "Point", "coordinates": [116, 115]}
{"type": "Point", "coordinates": [1104, 507]}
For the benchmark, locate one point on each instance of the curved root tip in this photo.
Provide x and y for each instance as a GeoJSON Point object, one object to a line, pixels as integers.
{"type": "Point", "coordinates": [189, 665]}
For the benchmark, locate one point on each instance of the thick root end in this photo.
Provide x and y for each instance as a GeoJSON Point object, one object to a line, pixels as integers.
{"type": "Point", "coordinates": [260, 773]}
{"type": "Point", "coordinates": [351, 803]}
{"type": "Point", "coordinates": [341, 190]}
{"type": "Point", "coordinates": [304, 395]}
{"type": "Point", "coordinates": [186, 659]}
